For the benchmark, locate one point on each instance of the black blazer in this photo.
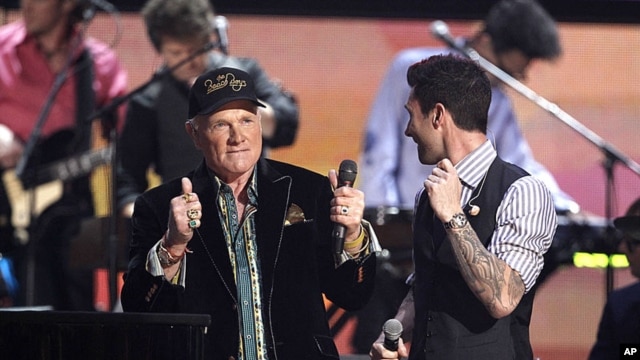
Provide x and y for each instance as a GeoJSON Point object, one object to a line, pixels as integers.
{"type": "Point", "coordinates": [619, 323]}
{"type": "Point", "coordinates": [296, 262]}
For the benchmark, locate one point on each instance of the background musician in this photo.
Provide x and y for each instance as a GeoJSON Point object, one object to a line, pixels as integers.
{"type": "Point", "coordinates": [620, 321]}
{"type": "Point", "coordinates": [514, 35]}
{"type": "Point", "coordinates": [35, 52]}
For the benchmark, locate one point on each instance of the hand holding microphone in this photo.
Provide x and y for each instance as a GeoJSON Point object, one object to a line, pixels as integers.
{"type": "Point", "coordinates": [391, 347]}
{"type": "Point", "coordinates": [392, 330]}
{"type": "Point", "coordinates": [347, 205]}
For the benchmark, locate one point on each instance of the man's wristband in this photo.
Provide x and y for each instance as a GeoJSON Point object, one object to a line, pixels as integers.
{"type": "Point", "coordinates": [357, 243]}
{"type": "Point", "coordinates": [165, 257]}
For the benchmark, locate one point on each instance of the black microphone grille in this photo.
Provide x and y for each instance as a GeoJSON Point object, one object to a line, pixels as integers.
{"type": "Point", "coordinates": [392, 329]}
{"type": "Point", "coordinates": [348, 170]}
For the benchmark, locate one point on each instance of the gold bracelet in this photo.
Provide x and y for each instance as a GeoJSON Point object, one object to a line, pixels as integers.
{"type": "Point", "coordinates": [362, 250]}
{"type": "Point", "coordinates": [364, 235]}
{"type": "Point", "coordinates": [357, 242]}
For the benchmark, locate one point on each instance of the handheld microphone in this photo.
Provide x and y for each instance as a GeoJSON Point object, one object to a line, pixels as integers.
{"type": "Point", "coordinates": [346, 177]}
{"type": "Point", "coordinates": [392, 329]}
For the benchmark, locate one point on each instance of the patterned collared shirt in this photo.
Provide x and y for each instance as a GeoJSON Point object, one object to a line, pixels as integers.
{"type": "Point", "coordinates": [243, 252]}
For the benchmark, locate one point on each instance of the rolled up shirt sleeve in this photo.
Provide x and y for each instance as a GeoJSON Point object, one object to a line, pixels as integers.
{"type": "Point", "coordinates": [525, 227]}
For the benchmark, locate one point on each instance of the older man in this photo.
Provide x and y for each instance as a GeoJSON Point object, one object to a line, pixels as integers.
{"type": "Point", "coordinates": [248, 240]}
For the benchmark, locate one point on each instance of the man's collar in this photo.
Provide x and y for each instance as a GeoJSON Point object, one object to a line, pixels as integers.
{"type": "Point", "coordinates": [472, 167]}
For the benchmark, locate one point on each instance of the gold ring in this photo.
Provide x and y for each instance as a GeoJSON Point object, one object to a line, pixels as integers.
{"type": "Point", "coordinates": [193, 214]}
{"type": "Point", "coordinates": [193, 224]}
{"type": "Point", "coordinates": [344, 210]}
{"type": "Point", "coordinates": [187, 197]}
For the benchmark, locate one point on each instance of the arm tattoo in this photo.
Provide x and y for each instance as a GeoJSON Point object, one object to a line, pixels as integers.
{"type": "Point", "coordinates": [492, 281]}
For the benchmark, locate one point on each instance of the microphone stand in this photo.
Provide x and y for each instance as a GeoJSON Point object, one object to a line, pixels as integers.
{"type": "Point", "coordinates": [28, 150]}
{"type": "Point", "coordinates": [612, 155]}
{"type": "Point", "coordinates": [106, 112]}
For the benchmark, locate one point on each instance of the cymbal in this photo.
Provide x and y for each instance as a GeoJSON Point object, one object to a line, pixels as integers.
{"type": "Point", "coordinates": [629, 225]}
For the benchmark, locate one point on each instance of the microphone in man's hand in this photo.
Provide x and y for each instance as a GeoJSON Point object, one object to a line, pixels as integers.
{"type": "Point", "coordinates": [392, 330]}
{"type": "Point", "coordinates": [346, 177]}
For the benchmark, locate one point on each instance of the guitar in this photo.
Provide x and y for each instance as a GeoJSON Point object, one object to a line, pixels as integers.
{"type": "Point", "coordinates": [38, 188]}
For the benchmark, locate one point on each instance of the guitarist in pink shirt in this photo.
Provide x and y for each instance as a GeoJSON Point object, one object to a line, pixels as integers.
{"type": "Point", "coordinates": [47, 41]}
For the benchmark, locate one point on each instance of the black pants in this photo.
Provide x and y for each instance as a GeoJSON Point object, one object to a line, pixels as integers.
{"type": "Point", "coordinates": [44, 268]}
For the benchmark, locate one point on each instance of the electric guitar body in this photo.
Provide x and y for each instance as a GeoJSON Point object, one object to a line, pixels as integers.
{"type": "Point", "coordinates": [40, 186]}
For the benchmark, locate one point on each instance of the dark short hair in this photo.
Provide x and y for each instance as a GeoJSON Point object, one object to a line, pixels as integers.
{"type": "Point", "coordinates": [456, 82]}
{"type": "Point", "coordinates": [523, 25]}
{"type": "Point", "coordinates": [634, 208]}
{"type": "Point", "coordinates": [179, 19]}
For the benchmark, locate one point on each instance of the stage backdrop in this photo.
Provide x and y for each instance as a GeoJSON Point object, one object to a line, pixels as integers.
{"type": "Point", "coordinates": [334, 66]}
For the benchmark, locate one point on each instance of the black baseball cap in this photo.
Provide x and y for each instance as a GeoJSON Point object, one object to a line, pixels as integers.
{"type": "Point", "coordinates": [629, 225]}
{"type": "Point", "coordinates": [218, 87]}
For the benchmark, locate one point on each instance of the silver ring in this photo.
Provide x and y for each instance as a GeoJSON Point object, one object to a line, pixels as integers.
{"type": "Point", "coordinates": [344, 210]}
